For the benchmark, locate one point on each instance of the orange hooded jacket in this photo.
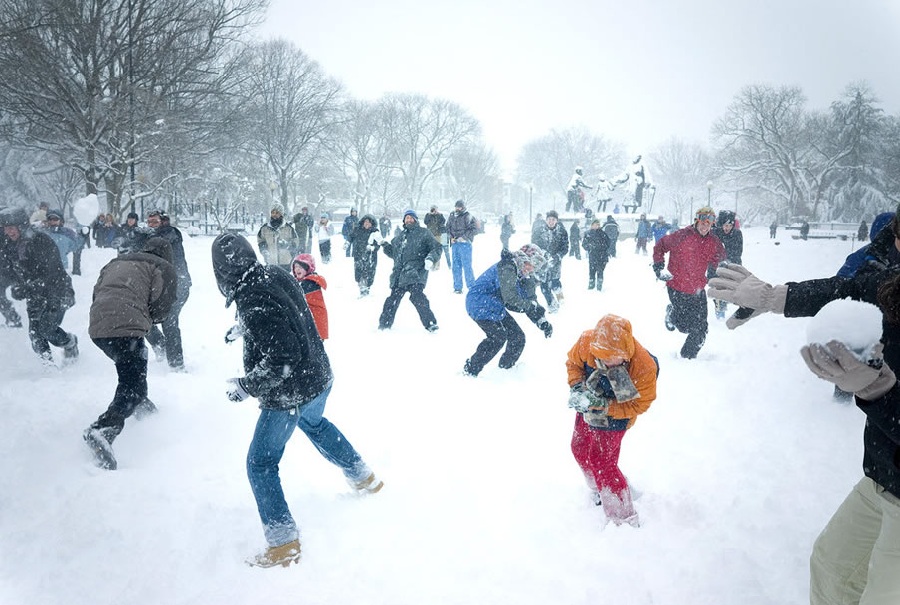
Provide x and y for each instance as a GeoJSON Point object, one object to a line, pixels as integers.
{"type": "Point", "coordinates": [612, 337]}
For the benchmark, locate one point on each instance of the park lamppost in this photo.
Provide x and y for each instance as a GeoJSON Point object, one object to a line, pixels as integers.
{"type": "Point", "coordinates": [709, 193]}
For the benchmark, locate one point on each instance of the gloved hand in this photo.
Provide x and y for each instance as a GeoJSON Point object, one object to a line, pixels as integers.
{"type": "Point", "coordinates": [742, 316]}
{"type": "Point", "coordinates": [429, 264]}
{"type": "Point", "coordinates": [837, 364]}
{"type": "Point", "coordinates": [236, 390]}
{"type": "Point", "coordinates": [370, 247]}
{"type": "Point", "coordinates": [346, 246]}
{"type": "Point", "coordinates": [660, 270]}
{"type": "Point", "coordinates": [578, 399]}
{"type": "Point", "coordinates": [545, 327]}
{"type": "Point", "coordinates": [375, 238]}
{"type": "Point", "coordinates": [233, 333]}
{"type": "Point", "coordinates": [18, 292]}
{"type": "Point", "coordinates": [735, 284]}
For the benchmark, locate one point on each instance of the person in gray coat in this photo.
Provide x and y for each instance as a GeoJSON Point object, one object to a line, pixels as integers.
{"type": "Point", "coordinates": [134, 291]}
{"type": "Point", "coordinates": [415, 253]}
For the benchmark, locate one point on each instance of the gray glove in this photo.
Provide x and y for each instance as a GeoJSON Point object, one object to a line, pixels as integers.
{"type": "Point", "coordinates": [742, 316]}
{"type": "Point", "coordinates": [837, 364]}
{"type": "Point", "coordinates": [545, 327]}
{"type": "Point", "coordinates": [235, 390]}
{"type": "Point", "coordinates": [735, 284]}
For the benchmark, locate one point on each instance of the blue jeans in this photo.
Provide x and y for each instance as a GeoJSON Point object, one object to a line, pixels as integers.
{"type": "Point", "coordinates": [273, 429]}
{"type": "Point", "coordinates": [462, 261]}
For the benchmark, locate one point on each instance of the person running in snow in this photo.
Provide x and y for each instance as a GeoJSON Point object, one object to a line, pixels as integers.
{"type": "Point", "coordinates": [365, 241]}
{"type": "Point", "coordinates": [553, 239]}
{"type": "Point", "coordinates": [287, 370]}
{"type": "Point", "coordinates": [313, 286]}
{"type": "Point", "coordinates": [606, 407]}
{"type": "Point", "coordinates": [596, 244]}
{"type": "Point", "coordinates": [134, 291]}
{"type": "Point", "coordinates": [853, 559]}
{"type": "Point", "coordinates": [733, 240]}
{"type": "Point", "coordinates": [166, 337]}
{"type": "Point", "coordinates": [415, 253]}
{"type": "Point", "coordinates": [506, 286]}
{"type": "Point", "coordinates": [694, 254]}
{"type": "Point", "coordinates": [33, 263]}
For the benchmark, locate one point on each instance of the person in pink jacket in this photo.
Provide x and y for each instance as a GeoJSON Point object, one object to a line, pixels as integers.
{"type": "Point", "coordinates": [694, 253]}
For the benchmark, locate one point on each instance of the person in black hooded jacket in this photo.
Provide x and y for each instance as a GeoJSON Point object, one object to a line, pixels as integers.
{"type": "Point", "coordinates": [846, 558]}
{"type": "Point", "coordinates": [287, 370]}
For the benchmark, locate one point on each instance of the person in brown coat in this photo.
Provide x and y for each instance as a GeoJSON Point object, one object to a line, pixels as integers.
{"type": "Point", "coordinates": [134, 291]}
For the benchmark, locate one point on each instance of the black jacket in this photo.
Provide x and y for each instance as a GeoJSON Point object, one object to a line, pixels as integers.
{"type": "Point", "coordinates": [881, 437]}
{"type": "Point", "coordinates": [409, 251]}
{"type": "Point", "coordinates": [285, 363]}
{"type": "Point", "coordinates": [596, 243]}
{"type": "Point", "coordinates": [33, 262]}
{"type": "Point", "coordinates": [733, 242]}
{"type": "Point", "coordinates": [173, 236]}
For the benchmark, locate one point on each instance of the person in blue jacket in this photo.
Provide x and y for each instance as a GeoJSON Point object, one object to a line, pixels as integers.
{"type": "Point", "coordinates": [878, 250]}
{"type": "Point", "coordinates": [506, 286]}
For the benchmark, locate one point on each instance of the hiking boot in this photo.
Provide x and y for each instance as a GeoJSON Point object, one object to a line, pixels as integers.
{"type": "Point", "coordinates": [670, 325]}
{"type": "Point", "coordinates": [432, 328]}
{"type": "Point", "coordinates": [282, 555]}
{"type": "Point", "coordinates": [70, 351]}
{"type": "Point", "coordinates": [100, 443]}
{"type": "Point", "coordinates": [468, 370]}
{"type": "Point", "coordinates": [591, 284]}
{"type": "Point", "coordinates": [47, 360]}
{"type": "Point", "coordinates": [369, 485]}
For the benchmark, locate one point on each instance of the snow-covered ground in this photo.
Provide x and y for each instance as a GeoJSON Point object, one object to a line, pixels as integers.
{"type": "Point", "coordinates": [740, 461]}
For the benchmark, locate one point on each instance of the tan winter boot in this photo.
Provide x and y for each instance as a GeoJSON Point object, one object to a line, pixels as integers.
{"type": "Point", "coordinates": [369, 485]}
{"type": "Point", "coordinates": [282, 555]}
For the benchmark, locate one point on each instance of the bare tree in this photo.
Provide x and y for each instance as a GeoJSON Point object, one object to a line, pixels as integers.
{"type": "Point", "coordinates": [101, 84]}
{"type": "Point", "coordinates": [293, 105]}
{"type": "Point", "coordinates": [474, 176]}
{"type": "Point", "coordinates": [547, 163]}
{"type": "Point", "coordinates": [681, 170]}
{"type": "Point", "coordinates": [421, 135]}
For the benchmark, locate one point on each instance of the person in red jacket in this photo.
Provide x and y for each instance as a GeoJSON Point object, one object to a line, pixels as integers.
{"type": "Point", "coordinates": [312, 284]}
{"type": "Point", "coordinates": [694, 253]}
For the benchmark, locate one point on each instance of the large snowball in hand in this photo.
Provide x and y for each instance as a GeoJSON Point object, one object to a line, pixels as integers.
{"type": "Point", "coordinates": [855, 324]}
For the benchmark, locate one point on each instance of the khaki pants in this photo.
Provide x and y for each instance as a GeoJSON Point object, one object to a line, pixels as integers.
{"type": "Point", "coordinates": [856, 558]}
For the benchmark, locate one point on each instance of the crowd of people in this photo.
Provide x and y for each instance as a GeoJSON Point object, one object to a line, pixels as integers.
{"type": "Point", "coordinates": [283, 320]}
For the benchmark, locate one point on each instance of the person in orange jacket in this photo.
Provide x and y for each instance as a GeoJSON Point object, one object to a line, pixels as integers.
{"type": "Point", "coordinates": [312, 284]}
{"type": "Point", "coordinates": [612, 379]}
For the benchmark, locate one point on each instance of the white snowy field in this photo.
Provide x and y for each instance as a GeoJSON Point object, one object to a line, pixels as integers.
{"type": "Point", "coordinates": [740, 461]}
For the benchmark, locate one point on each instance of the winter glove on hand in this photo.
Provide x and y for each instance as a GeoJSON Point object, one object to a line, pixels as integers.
{"type": "Point", "coordinates": [346, 246]}
{"type": "Point", "coordinates": [375, 238]}
{"type": "Point", "coordinates": [545, 327]}
{"type": "Point", "coordinates": [236, 390]}
{"type": "Point", "coordinates": [429, 264]}
{"type": "Point", "coordinates": [578, 399]}
{"type": "Point", "coordinates": [837, 364]}
{"type": "Point", "coordinates": [660, 270]}
{"type": "Point", "coordinates": [233, 333]}
{"type": "Point", "coordinates": [735, 284]}
{"type": "Point", "coordinates": [742, 316]}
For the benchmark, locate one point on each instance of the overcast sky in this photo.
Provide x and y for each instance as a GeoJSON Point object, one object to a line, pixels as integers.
{"type": "Point", "coordinates": [636, 71]}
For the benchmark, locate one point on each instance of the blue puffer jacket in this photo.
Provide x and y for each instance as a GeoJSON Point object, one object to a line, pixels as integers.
{"type": "Point", "coordinates": [500, 289]}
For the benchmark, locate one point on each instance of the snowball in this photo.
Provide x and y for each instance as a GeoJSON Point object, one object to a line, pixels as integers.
{"type": "Point", "coordinates": [86, 209]}
{"type": "Point", "coordinates": [855, 324]}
